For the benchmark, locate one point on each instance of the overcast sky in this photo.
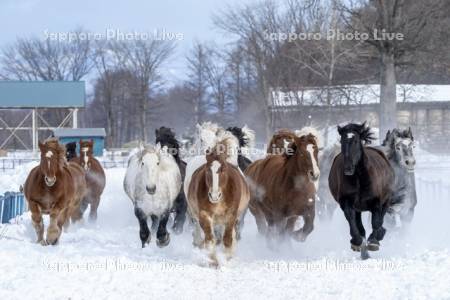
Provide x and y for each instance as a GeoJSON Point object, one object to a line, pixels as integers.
{"type": "Point", "coordinates": [192, 18]}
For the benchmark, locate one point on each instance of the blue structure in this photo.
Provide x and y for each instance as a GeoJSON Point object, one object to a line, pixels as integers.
{"type": "Point", "coordinates": [11, 205]}
{"type": "Point", "coordinates": [38, 94]}
{"type": "Point", "coordinates": [67, 135]}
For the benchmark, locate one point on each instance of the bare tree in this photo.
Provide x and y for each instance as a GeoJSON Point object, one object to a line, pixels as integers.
{"type": "Point", "coordinates": [413, 20]}
{"type": "Point", "coordinates": [251, 24]}
{"type": "Point", "coordinates": [144, 59]}
{"type": "Point", "coordinates": [197, 61]}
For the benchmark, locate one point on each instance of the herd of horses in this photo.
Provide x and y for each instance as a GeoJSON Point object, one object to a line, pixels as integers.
{"type": "Point", "coordinates": [215, 188]}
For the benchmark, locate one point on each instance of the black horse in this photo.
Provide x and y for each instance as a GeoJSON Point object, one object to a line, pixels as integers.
{"type": "Point", "coordinates": [398, 147]}
{"type": "Point", "coordinates": [244, 141]}
{"type": "Point", "coordinates": [166, 137]}
{"type": "Point", "coordinates": [361, 179]}
{"type": "Point", "coordinates": [71, 150]}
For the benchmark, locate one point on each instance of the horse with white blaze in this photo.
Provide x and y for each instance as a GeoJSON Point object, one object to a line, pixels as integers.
{"type": "Point", "coordinates": [153, 181]}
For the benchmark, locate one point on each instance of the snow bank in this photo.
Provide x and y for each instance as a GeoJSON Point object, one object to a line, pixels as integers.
{"type": "Point", "coordinates": [106, 260]}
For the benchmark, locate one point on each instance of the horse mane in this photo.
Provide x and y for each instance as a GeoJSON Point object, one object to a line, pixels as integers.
{"type": "Point", "coordinates": [397, 133]}
{"type": "Point", "coordinates": [363, 130]}
{"type": "Point", "coordinates": [166, 137]}
{"type": "Point", "coordinates": [60, 150]}
{"type": "Point", "coordinates": [89, 144]}
{"type": "Point", "coordinates": [245, 135]}
{"type": "Point", "coordinates": [231, 144]}
{"type": "Point", "coordinates": [310, 130]}
{"type": "Point", "coordinates": [208, 126]}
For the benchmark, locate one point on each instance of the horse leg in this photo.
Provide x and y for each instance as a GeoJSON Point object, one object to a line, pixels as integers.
{"type": "Point", "coordinates": [180, 213]}
{"type": "Point", "coordinates": [163, 237]}
{"type": "Point", "coordinates": [240, 225]}
{"type": "Point", "coordinates": [378, 230]}
{"type": "Point", "coordinates": [360, 225]}
{"type": "Point", "coordinates": [95, 202]}
{"type": "Point", "coordinates": [155, 222]}
{"type": "Point", "coordinates": [55, 227]}
{"type": "Point", "coordinates": [307, 228]}
{"type": "Point", "coordinates": [229, 237]}
{"type": "Point", "coordinates": [144, 232]}
{"type": "Point", "coordinates": [38, 223]}
{"type": "Point", "coordinates": [206, 224]}
{"type": "Point", "coordinates": [197, 235]}
{"type": "Point", "coordinates": [259, 218]}
{"type": "Point", "coordinates": [350, 215]}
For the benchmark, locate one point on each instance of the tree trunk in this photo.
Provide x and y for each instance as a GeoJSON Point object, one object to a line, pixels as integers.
{"type": "Point", "coordinates": [388, 94]}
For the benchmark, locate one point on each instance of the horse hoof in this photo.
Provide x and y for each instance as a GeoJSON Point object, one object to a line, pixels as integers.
{"type": "Point", "coordinates": [164, 241]}
{"type": "Point", "coordinates": [355, 248]}
{"type": "Point", "coordinates": [177, 230]}
{"type": "Point", "coordinates": [373, 246]}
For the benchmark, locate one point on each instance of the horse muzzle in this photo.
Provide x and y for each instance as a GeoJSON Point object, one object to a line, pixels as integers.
{"type": "Point", "coordinates": [50, 181]}
{"type": "Point", "coordinates": [214, 198]}
{"type": "Point", "coordinates": [313, 176]}
{"type": "Point", "coordinates": [151, 190]}
{"type": "Point", "coordinates": [349, 171]}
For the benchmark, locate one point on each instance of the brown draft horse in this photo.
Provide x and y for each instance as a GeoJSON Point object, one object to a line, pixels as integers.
{"type": "Point", "coordinates": [95, 178]}
{"type": "Point", "coordinates": [283, 188]}
{"type": "Point", "coordinates": [218, 197]}
{"type": "Point", "coordinates": [55, 187]}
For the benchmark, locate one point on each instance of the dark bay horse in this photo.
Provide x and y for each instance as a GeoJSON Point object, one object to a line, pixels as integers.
{"type": "Point", "coordinates": [55, 187]}
{"type": "Point", "coordinates": [283, 188]}
{"type": "Point", "coordinates": [71, 150]}
{"type": "Point", "coordinates": [95, 178]}
{"type": "Point", "coordinates": [398, 147]}
{"type": "Point", "coordinates": [166, 137]}
{"type": "Point", "coordinates": [218, 197]}
{"type": "Point", "coordinates": [361, 179]}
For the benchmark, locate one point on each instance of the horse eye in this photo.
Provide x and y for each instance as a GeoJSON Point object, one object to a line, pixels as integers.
{"type": "Point", "coordinates": [142, 164]}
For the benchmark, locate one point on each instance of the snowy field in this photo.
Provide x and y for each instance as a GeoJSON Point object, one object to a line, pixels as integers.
{"type": "Point", "coordinates": [106, 261]}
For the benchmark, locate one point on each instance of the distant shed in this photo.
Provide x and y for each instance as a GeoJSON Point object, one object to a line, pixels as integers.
{"type": "Point", "coordinates": [67, 135]}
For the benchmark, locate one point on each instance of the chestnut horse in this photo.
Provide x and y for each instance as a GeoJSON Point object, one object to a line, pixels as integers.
{"type": "Point", "coordinates": [361, 179]}
{"type": "Point", "coordinates": [95, 178]}
{"type": "Point", "coordinates": [217, 198]}
{"type": "Point", "coordinates": [280, 141]}
{"type": "Point", "coordinates": [55, 187]}
{"type": "Point", "coordinates": [283, 188]}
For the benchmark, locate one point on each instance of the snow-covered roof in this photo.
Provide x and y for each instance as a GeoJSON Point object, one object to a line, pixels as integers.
{"type": "Point", "coordinates": [359, 94]}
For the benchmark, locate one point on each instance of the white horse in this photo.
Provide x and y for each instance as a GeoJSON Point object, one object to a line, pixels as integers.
{"type": "Point", "coordinates": [153, 181]}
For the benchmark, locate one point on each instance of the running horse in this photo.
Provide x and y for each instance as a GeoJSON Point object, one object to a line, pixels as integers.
{"type": "Point", "coordinates": [95, 178]}
{"type": "Point", "coordinates": [283, 187]}
{"type": "Point", "coordinates": [55, 187]}
{"type": "Point", "coordinates": [398, 147]}
{"type": "Point", "coordinates": [71, 150]}
{"type": "Point", "coordinates": [361, 179]}
{"type": "Point", "coordinates": [166, 137]}
{"type": "Point", "coordinates": [218, 197]}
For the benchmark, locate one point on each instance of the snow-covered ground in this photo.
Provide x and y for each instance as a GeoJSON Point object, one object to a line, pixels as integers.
{"type": "Point", "coordinates": [106, 261]}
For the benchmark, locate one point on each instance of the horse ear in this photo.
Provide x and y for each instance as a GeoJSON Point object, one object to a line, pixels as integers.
{"type": "Point", "coordinates": [339, 129]}
{"type": "Point", "coordinates": [156, 132]}
{"type": "Point", "coordinates": [41, 145]}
